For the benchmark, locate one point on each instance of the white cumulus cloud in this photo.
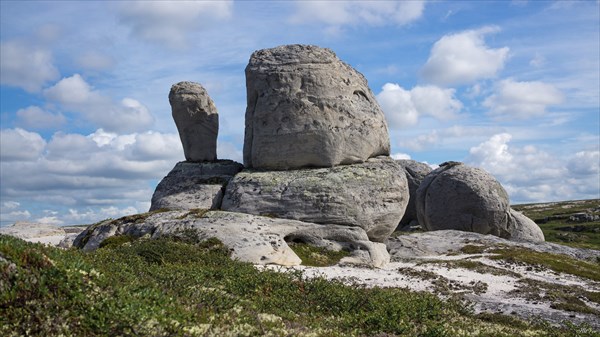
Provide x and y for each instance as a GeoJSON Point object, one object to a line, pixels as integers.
{"type": "Point", "coordinates": [403, 107]}
{"type": "Point", "coordinates": [530, 174]}
{"type": "Point", "coordinates": [20, 145]}
{"type": "Point", "coordinates": [83, 172]}
{"type": "Point", "coordinates": [76, 95]}
{"type": "Point", "coordinates": [168, 22]}
{"type": "Point", "coordinates": [400, 155]}
{"type": "Point", "coordinates": [373, 13]}
{"type": "Point", "coordinates": [25, 66]}
{"type": "Point", "coordinates": [522, 99]}
{"type": "Point", "coordinates": [34, 117]}
{"type": "Point", "coordinates": [464, 58]}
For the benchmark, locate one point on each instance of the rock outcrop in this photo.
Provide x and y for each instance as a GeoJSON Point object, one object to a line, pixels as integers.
{"type": "Point", "coordinates": [254, 239]}
{"type": "Point", "coordinates": [456, 196]}
{"type": "Point", "coordinates": [372, 195]}
{"type": "Point", "coordinates": [306, 108]}
{"type": "Point", "coordinates": [415, 173]}
{"type": "Point", "coordinates": [197, 121]}
{"type": "Point", "coordinates": [194, 185]}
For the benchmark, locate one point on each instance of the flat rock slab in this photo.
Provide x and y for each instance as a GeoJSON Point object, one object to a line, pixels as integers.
{"type": "Point", "coordinates": [306, 108]}
{"type": "Point", "coordinates": [194, 185]}
{"type": "Point", "coordinates": [254, 239]}
{"type": "Point", "coordinates": [371, 195]}
{"type": "Point", "coordinates": [435, 243]}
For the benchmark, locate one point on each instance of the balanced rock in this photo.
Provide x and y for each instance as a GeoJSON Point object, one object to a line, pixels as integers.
{"type": "Point", "coordinates": [194, 185]}
{"type": "Point", "coordinates": [307, 108]}
{"type": "Point", "coordinates": [415, 173]}
{"type": "Point", "coordinates": [254, 239]}
{"type": "Point", "coordinates": [456, 196]}
{"type": "Point", "coordinates": [372, 195]}
{"type": "Point", "coordinates": [197, 121]}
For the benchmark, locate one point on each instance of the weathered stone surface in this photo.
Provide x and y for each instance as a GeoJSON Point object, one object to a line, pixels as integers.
{"type": "Point", "coordinates": [443, 242]}
{"type": "Point", "coordinates": [415, 173]}
{"type": "Point", "coordinates": [255, 239]}
{"type": "Point", "coordinates": [307, 108]}
{"type": "Point", "coordinates": [371, 195]}
{"type": "Point", "coordinates": [197, 121]}
{"type": "Point", "coordinates": [194, 185]}
{"type": "Point", "coordinates": [456, 196]}
{"type": "Point", "coordinates": [523, 228]}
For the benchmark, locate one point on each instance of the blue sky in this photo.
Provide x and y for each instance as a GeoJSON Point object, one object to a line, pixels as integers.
{"type": "Point", "coordinates": [86, 128]}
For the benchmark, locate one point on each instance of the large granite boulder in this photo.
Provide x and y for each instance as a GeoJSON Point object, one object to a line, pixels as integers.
{"type": "Point", "coordinates": [194, 185]}
{"type": "Point", "coordinates": [372, 195]}
{"type": "Point", "coordinates": [197, 121]}
{"type": "Point", "coordinates": [307, 108]}
{"type": "Point", "coordinates": [254, 239]}
{"type": "Point", "coordinates": [456, 196]}
{"type": "Point", "coordinates": [415, 173]}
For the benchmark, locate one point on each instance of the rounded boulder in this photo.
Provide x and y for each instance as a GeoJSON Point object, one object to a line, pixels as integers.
{"type": "Point", "coordinates": [306, 108]}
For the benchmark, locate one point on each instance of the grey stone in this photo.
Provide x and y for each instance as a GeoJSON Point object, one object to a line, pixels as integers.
{"type": "Point", "coordinates": [306, 108]}
{"type": "Point", "coordinates": [254, 239]}
{"type": "Point", "coordinates": [456, 196]}
{"type": "Point", "coordinates": [444, 242]}
{"type": "Point", "coordinates": [371, 195]}
{"type": "Point", "coordinates": [197, 121]}
{"type": "Point", "coordinates": [415, 173]}
{"type": "Point", "coordinates": [523, 228]}
{"type": "Point", "coordinates": [194, 185]}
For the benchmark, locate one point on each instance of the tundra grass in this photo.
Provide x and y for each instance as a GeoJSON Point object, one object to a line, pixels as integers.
{"type": "Point", "coordinates": [317, 256]}
{"type": "Point", "coordinates": [553, 219]}
{"type": "Point", "coordinates": [168, 288]}
{"type": "Point", "coordinates": [555, 262]}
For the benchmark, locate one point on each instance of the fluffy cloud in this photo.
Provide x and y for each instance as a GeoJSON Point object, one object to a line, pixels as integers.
{"type": "Point", "coordinates": [76, 95]}
{"type": "Point", "coordinates": [400, 155]}
{"type": "Point", "coordinates": [25, 66]}
{"type": "Point", "coordinates": [99, 175]}
{"type": "Point", "coordinates": [464, 58]}
{"type": "Point", "coordinates": [403, 107]}
{"type": "Point", "coordinates": [522, 99]}
{"type": "Point", "coordinates": [34, 117]}
{"type": "Point", "coordinates": [374, 13]}
{"type": "Point", "coordinates": [20, 145]}
{"type": "Point", "coordinates": [168, 22]}
{"type": "Point", "coordinates": [530, 174]}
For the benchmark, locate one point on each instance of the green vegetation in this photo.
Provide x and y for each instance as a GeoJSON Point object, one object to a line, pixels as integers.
{"type": "Point", "coordinates": [476, 266]}
{"type": "Point", "coordinates": [116, 240]}
{"type": "Point", "coordinates": [555, 262]}
{"type": "Point", "coordinates": [194, 213]}
{"type": "Point", "coordinates": [317, 256]}
{"type": "Point", "coordinates": [569, 298]}
{"type": "Point", "coordinates": [472, 249]}
{"type": "Point", "coordinates": [164, 287]}
{"type": "Point", "coordinates": [553, 219]}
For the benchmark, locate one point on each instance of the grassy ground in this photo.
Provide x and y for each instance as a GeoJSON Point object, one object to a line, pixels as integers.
{"type": "Point", "coordinates": [553, 219]}
{"type": "Point", "coordinates": [170, 288]}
